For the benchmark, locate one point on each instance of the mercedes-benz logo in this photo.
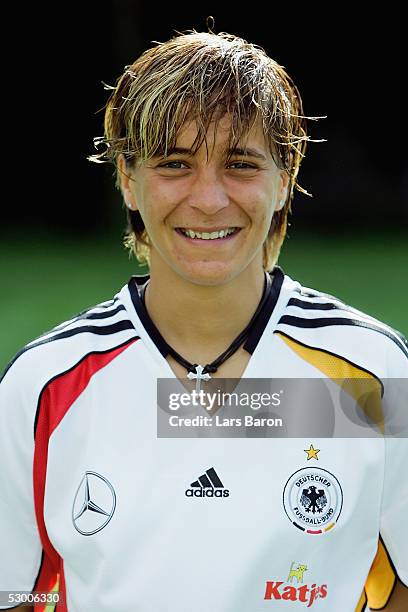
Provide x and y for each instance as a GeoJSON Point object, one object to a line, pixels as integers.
{"type": "Point", "coordinates": [94, 504]}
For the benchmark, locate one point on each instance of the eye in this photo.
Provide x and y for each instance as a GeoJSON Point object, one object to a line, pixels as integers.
{"type": "Point", "coordinates": [242, 166]}
{"type": "Point", "coordinates": [173, 165]}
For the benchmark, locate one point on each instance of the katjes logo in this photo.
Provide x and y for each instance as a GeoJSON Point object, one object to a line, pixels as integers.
{"type": "Point", "coordinates": [288, 592]}
{"type": "Point", "coordinates": [207, 485]}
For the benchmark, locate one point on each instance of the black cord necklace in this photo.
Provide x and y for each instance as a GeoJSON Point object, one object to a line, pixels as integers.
{"type": "Point", "coordinates": [197, 371]}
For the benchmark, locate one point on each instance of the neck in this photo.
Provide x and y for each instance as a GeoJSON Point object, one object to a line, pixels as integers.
{"type": "Point", "coordinates": [201, 321]}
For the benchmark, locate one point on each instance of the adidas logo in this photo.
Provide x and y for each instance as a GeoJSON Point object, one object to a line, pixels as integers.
{"type": "Point", "coordinates": [207, 485]}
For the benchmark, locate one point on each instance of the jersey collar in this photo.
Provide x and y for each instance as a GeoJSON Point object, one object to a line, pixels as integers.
{"type": "Point", "coordinates": [136, 283]}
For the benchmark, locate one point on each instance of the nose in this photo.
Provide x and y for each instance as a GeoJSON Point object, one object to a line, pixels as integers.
{"type": "Point", "coordinates": [207, 192]}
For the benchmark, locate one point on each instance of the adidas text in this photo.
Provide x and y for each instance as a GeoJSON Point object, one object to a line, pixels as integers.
{"type": "Point", "coordinates": [207, 493]}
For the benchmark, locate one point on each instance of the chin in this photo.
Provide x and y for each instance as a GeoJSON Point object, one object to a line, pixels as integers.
{"type": "Point", "coordinates": [208, 273]}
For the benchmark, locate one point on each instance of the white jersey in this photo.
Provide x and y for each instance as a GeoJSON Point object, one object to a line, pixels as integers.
{"type": "Point", "coordinates": [95, 504]}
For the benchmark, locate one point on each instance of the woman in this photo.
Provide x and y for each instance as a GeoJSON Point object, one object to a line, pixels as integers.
{"type": "Point", "coordinates": [207, 134]}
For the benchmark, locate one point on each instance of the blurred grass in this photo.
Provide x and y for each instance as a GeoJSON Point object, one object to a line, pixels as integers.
{"type": "Point", "coordinates": [48, 279]}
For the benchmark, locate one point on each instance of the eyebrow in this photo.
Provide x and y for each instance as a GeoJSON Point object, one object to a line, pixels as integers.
{"type": "Point", "coordinates": [247, 152]}
{"type": "Point", "coordinates": [237, 151]}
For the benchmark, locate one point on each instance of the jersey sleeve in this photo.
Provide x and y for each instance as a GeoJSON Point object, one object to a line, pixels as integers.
{"type": "Point", "coordinates": [21, 548]}
{"type": "Point", "coordinates": [391, 561]}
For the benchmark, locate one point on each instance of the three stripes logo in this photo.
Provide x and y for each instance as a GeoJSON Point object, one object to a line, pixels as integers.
{"type": "Point", "coordinates": [207, 485]}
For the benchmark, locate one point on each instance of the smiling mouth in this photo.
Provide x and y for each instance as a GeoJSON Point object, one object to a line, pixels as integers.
{"type": "Point", "coordinates": [217, 236]}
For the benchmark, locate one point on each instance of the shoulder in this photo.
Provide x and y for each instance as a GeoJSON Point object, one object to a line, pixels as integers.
{"type": "Point", "coordinates": [324, 322]}
{"type": "Point", "coordinates": [98, 329]}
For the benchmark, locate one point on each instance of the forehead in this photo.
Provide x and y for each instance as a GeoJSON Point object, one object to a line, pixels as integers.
{"type": "Point", "coordinates": [219, 136]}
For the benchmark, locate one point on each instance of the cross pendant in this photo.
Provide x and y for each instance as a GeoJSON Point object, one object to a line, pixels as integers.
{"type": "Point", "coordinates": [199, 376]}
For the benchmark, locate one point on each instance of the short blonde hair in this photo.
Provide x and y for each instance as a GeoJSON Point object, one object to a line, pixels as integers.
{"type": "Point", "coordinates": [202, 76]}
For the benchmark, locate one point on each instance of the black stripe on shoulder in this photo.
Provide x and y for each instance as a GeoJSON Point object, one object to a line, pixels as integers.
{"type": "Point", "coordinates": [395, 336]}
{"type": "Point", "coordinates": [103, 315]}
{"type": "Point", "coordinates": [322, 350]}
{"type": "Point", "coordinates": [93, 315]}
{"type": "Point", "coordinates": [311, 305]}
{"type": "Point", "coordinates": [109, 350]}
{"type": "Point", "coordinates": [106, 304]}
{"type": "Point", "coordinates": [339, 305]}
{"type": "Point", "coordinates": [87, 314]}
{"type": "Point", "coordinates": [306, 292]}
{"type": "Point", "coordinates": [335, 304]}
{"type": "Point", "coordinates": [83, 315]}
{"type": "Point", "coordinates": [105, 330]}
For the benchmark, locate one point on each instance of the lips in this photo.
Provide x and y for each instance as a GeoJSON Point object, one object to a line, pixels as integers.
{"type": "Point", "coordinates": [207, 236]}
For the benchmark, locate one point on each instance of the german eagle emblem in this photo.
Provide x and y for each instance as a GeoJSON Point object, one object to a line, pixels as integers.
{"type": "Point", "coordinates": [313, 500]}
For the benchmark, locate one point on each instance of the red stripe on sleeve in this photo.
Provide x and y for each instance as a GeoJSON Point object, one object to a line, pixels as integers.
{"type": "Point", "coordinates": [56, 399]}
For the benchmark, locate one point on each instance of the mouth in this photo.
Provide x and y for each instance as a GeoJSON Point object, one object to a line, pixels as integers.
{"type": "Point", "coordinates": [218, 236]}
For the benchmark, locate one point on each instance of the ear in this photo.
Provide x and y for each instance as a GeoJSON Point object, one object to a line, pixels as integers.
{"type": "Point", "coordinates": [126, 183]}
{"type": "Point", "coordinates": [283, 190]}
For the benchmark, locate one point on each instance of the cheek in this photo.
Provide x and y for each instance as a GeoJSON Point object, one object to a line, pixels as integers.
{"type": "Point", "coordinates": [169, 192]}
{"type": "Point", "coordinates": [154, 206]}
{"type": "Point", "coordinates": [260, 210]}
{"type": "Point", "coordinates": [256, 200]}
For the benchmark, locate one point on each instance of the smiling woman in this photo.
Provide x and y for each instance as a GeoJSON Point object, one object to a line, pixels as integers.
{"type": "Point", "coordinates": [102, 498]}
{"type": "Point", "coordinates": [186, 199]}
{"type": "Point", "coordinates": [203, 79]}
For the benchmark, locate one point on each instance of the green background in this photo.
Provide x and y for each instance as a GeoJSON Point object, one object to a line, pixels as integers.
{"type": "Point", "coordinates": [47, 279]}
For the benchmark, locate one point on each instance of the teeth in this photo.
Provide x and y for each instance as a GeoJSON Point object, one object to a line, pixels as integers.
{"type": "Point", "coordinates": [206, 235]}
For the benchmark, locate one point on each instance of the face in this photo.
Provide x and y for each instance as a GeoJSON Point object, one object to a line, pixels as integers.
{"type": "Point", "coordinates": [184, 193]}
